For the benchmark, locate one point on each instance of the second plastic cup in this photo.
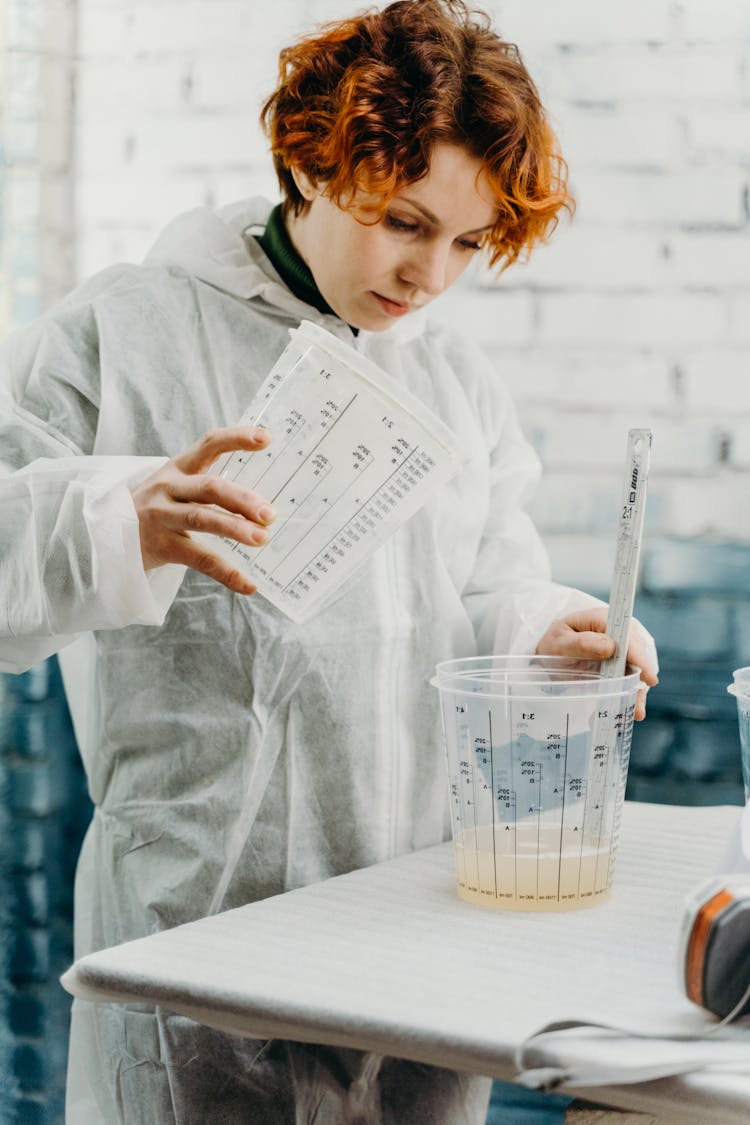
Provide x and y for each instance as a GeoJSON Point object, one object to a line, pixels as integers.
{"type": "Point", "coordinates": [537, 751]}
{"type": "Point", "coordinates": [740, 689]}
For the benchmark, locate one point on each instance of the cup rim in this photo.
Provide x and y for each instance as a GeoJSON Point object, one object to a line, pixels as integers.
{"type": "Point", "coordinates": [453, 676]}
{"type": "Point", "coordinates": [740, 685]}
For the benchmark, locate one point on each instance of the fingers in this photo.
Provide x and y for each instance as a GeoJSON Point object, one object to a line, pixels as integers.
{"type": "Point", "coordinates": [185, 551]}
{"type": "Point", "coordinates": [582, 636]}
{"type": "Point", "coordinates": [600, 646]}
{"type": "Point", "coordinates": [165, 538]}
{"type": "Point", "coordinates": [592, 646]}
{"type": "Point", "coordinates": [172, 502]}
{"type": "Point", "coordinates": [563, 640]}
{"type": "Point", "coordinates": [590, 620]}
{"type": "Point", "coordinates": [184, 518]}
{"type": "Point", "coordinates": [642, 653]}
{"type": "Point", "coordinates": [202, 454]}
{"type": "Point", "coordinates": [180, 498]}
{"type": "Point", "coordinates": [191, 491]}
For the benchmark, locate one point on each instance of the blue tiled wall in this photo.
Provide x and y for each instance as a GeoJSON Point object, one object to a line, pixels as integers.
{"type": "Point", "coordinates": [8, 1083]}
{"type": "Point", "coordinates": [694, 598]}
{"type": "Point", "coordinates": [46, 811]}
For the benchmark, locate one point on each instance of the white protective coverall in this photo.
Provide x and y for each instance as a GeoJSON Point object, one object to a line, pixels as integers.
{"type": "Point", "coordinates": [232, 754]}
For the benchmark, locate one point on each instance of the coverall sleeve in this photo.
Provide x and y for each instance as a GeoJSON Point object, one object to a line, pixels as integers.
{"type": "Point", "coordinates": [510, 596]}
{"type": "Point", "coordinates": [70, 558]}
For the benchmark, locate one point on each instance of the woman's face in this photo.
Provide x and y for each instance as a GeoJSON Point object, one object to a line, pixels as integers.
{"type": "Point", "coordinates": [371, 275]}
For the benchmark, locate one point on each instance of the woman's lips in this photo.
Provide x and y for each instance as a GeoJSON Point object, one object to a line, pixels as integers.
{"type": "Point", "coordinates": [393, 308]}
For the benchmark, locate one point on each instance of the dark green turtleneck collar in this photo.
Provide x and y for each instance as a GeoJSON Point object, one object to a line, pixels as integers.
{"type": "Point", "coordinates": [278, 247]}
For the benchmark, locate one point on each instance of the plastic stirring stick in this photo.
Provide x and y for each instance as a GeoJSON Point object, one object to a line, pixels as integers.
{"type": "Point", "coordinates": [628, 549]}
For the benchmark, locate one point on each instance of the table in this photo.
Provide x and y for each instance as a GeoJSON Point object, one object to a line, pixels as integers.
{"type": "Point", "coordinates": [388, 959]}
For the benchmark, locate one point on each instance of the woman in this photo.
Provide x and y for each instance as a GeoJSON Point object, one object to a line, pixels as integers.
{"type": "Point", "coordinates": [231, 754]}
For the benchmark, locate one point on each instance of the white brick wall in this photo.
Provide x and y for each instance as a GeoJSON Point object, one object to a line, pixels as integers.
{"type": "Point", "coordinates": [638, 312]}
{"type": "Point", "coordinates": [36, 246]}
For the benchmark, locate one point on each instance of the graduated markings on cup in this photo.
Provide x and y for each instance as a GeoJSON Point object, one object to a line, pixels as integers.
{"type": "Point", "coordinates": [534, 801]}
{"type": "Point", "coordinates": [539, 801]}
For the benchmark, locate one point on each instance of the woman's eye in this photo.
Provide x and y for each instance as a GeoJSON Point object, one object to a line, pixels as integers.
{"type": "Point", "coordinates": [400, 224]}
{"type": "Point", "coordinates": [397, 224]}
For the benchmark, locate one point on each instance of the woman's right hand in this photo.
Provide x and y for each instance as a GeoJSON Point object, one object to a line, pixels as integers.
{"type": "Point", "coordinates": [182, 497]}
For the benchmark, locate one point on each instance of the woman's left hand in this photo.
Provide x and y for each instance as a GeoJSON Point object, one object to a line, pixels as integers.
{"type": "Point", "coordinates": [582, 635]}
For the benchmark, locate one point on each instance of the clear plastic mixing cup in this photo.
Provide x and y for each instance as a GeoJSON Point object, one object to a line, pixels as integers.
{"type": "Point", "coordinates": [740, 689]}
{"type": "Point", "coordinates": [537, 750]}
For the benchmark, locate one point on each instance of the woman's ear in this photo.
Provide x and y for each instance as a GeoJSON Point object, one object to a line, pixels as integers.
{"type": "Point", "coordinates": [307, 188]}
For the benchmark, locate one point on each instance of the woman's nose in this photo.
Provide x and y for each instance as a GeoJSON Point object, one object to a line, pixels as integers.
{"type": "Point", "coordinates": [427, 269]}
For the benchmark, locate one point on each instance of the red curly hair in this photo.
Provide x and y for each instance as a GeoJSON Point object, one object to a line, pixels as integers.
{"type": "Point", "coordinates": [360, 106]}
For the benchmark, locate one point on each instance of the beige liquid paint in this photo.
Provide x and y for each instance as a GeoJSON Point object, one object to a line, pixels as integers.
{"type": "Point", "coordinates": [527, 870]}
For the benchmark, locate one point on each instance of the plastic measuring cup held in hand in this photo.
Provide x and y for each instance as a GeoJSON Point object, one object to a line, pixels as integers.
{"type": "Point", "coordinates": [537, 749]}
{"type": "Point", "coordinates": [740, 689]}
{"type": "Point", "coordinates": [353, 455]}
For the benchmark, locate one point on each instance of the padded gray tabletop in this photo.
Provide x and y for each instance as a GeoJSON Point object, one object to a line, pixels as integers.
{"type": "Point", "coordinates": [388, 959]}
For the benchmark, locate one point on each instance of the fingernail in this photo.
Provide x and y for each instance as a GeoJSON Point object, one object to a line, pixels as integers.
{"type": "Point", "coordinates": [261, 432]}
{"type": "Point", "coordinates": [266, 514]}
{"type": "Point", "coordinates": [260, 536]}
